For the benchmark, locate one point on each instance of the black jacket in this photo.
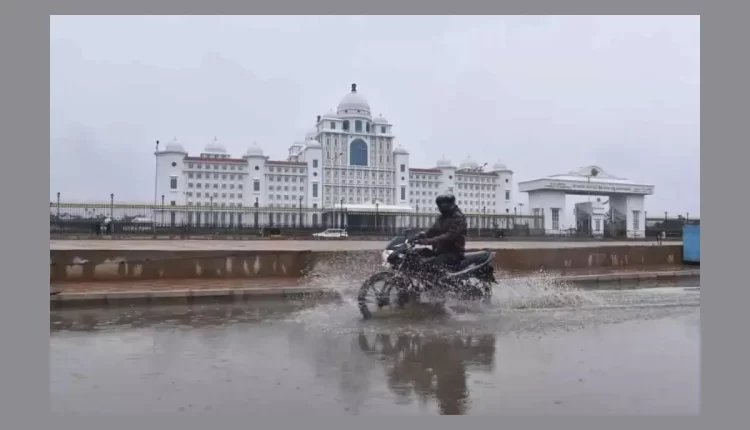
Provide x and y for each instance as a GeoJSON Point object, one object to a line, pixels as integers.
{"type": "Point", "coordinates": [448, 234]}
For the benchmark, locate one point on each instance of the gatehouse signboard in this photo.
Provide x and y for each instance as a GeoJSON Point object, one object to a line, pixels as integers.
{"type": "Point", "coordinates": [597, 187]}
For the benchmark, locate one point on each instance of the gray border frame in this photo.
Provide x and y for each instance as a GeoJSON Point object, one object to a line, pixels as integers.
{"type": "Point", "coordinates": [25, 312]}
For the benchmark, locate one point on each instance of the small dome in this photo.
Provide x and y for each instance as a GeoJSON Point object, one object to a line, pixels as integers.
{"type": "Point", "coordinates": [468, 163]}
{"type": "Point", "coordinates": [254, 151]}
{"type": "Point", "coordinates": [312, 143]}
{"type": "Point", "coordinates": [444, 162]}
{"type": "Point", "coordinates": [380, 119]}
{"type": "Point", "coordinates": [312, 134]}
{"type": "Point", "coordinates": [499, 166]}
{"type": "Point", "coordinates": [174, 146]}
{"type": "Point", "coordinates": [215, 148]}
{"type": "Point", "coordinates": [353, 101]}
{"type": "Point", "coordinates": [400, 150]}
{"type": "Point", "coordinates": [330, 115]}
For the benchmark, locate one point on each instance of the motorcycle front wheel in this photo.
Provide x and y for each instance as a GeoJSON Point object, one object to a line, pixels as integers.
{"type": "Point", "coordinates": [379, 291]}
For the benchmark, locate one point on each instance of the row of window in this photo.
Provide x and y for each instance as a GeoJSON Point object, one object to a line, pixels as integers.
{"type": "Point", "coordinates": [215, 195]}
{"type": "Point", "coordinates": [215, 186]}
{"type": "Point", "coordinates": [358, 125]}
{"type": "Point", "coordinates": [272, 178]}
{"type": "Point", "coordinates": [215, 166]}
{"type": "Point", "coordinates": [277, 169]}
{"type": "Point", "coordinates": [217, 176]}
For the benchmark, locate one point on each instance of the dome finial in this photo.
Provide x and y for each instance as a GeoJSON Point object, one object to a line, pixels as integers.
{"type": "Point", "coordinates": [354, 88]}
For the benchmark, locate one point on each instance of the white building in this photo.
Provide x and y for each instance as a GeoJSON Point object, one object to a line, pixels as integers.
{"type": "Point", "coordinates": [625, 199]}
{"type": "Point", "coordinates": [348, 163]}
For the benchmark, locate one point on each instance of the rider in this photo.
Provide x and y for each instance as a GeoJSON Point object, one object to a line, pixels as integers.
{"type": "Point", "coordinates": [448, 235]}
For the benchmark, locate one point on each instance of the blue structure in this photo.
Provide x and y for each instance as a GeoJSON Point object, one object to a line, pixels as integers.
{"type": "Point", "coordinates": [691, 243]}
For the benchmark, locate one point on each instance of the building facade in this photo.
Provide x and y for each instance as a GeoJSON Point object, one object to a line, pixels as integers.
{"type": "Point", "coordinates": [348, 165]}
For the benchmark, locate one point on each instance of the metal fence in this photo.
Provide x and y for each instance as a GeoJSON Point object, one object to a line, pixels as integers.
{"type": "Point", "coordinates": [144, 219]}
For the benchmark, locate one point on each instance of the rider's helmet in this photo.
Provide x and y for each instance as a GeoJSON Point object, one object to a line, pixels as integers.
{"type": "Point", "coordinates": [445, 203]}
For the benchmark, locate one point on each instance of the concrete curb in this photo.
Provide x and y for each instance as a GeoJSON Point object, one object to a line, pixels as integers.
{"type": "Point", "coordinates": [187, 296]}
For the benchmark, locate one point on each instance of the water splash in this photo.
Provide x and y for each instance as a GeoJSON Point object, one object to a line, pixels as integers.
{"type": "Point", "coordinates": [542, 291]}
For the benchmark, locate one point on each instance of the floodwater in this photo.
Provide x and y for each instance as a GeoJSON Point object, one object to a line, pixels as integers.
{"type": "Point", "coordinates": [539, 349]}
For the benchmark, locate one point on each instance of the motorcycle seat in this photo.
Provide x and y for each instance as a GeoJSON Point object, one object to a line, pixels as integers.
{"type": "Point", "coordinates": [477, 257]}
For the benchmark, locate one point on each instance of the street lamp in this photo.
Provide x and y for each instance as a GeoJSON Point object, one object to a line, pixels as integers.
{"type": "Point", "coordinates": [300, 212]}
{"type": "Point", "coordinates": [112, 206]}
{"type": "Point", "coordinates": [341, 221]}
{"type": "Point", "coordinates": [377, 213]}
{"type": "Point", "coordinates": [256, 213]}
{"type": "Point", "coordinates": [156, 173]}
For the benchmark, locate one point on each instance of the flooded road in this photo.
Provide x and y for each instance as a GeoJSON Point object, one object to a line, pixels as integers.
{"type": "Point", "coordinates": [536, 350]}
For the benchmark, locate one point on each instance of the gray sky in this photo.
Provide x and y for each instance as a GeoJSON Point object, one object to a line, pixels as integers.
{"type": "Point", "coordinates": [543, 94]}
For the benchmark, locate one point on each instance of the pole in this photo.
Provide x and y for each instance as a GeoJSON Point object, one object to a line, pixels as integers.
{"type": "Point", "coordinates": [341, 221]}
{"type": "Point", "coordinates": [211, 212]}
{"type": "Point", "coordinates": [377, 213]}
{"type": "Point", "coordinates": [256, 214]}
{"type": "Point", "coordinates": [156, 175]}
{"type": "Point", "coordinates": [162, 209]}
{"type": "Point", "coordinates": [112, 206]}
{"type": "Point", "coordinates": [300, 213]}
{"type": "Point", "coordinates": [58, 206]}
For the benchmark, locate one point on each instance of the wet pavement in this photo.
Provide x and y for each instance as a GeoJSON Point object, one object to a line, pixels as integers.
{"type": "Point", "coordinates": [538, 349]}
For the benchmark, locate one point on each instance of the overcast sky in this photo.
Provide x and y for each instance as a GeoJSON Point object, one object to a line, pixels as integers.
{"type": "Point", "coordinates": [544, 95]}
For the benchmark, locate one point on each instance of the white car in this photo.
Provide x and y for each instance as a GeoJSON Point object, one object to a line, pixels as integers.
{"type": "Point", "coordinates": [331, 233]}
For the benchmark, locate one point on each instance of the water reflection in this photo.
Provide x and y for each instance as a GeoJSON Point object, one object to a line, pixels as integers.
{"type": "Point", "coordinates": [432, 367]}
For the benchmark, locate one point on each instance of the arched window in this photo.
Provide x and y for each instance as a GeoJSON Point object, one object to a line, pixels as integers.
{"type": "Point", "coordinates": [358, 126]}
{"type": "Point", "coordinates": [346, 125]}
{"type": "Point", "coordinates": [358, 153]}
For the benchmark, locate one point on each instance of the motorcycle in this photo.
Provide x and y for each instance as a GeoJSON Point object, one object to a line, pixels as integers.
{"type": "Point", "coordinates": [410, 275]}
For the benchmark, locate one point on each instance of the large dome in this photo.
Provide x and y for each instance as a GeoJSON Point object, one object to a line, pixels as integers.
{"type": "Point", "coordinates": [215, 148]}
{"type": "Point", "coordinates": [174, 146]}
{"type": "Point", "coordinates": [468, 163]}
{"type": "Point", "coordinates": [499, 166]}
{"type": "Point", "coordinates": [400, 150]}
{"type": "Point", "coordinates": [254, 151]}
{"type": "Point", "coordinates": [444, 162]}
{"type": "Point", "coordinates": [354, 103]}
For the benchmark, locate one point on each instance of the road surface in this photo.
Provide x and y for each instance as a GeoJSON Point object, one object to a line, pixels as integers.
{"type": "Point", "coordinates": [306, 245]}
{"type": "Point", "coordinates": [536, 350]}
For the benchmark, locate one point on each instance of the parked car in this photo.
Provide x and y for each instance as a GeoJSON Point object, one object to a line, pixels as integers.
{"type": "Point", "coordinates": [331, 233]}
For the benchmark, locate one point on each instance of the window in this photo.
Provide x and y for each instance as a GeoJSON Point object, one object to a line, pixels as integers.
{"type": "Point", "coordinates": [256, 186]}
{"type": "Point", "coordinates": [333, 125]}
{"type": "Point", "coordinates": [190, 165]}
{"type": "Point", "coordinates": [403, 192]}
{"type": "Point", "coordinates": [173, 182]}
{"type": "Point", "coordinates": [315, 164]}
{"type": "Point", "coordinates": [173, 203]}
{"type": "Point", "coordinates": [555, 218]}
{"type": "Point", "coordinates": [315, 190]}
{"type": "Point", "coordinates": [507, 195]}
{"type": "Point", "coordinates": [345, 126]}
{"type": "Point", "coordinates": [257, 167]}
{"type": "Point", "coordinates": [367, 127]}
{"type": "Point", "coordinates": [382, 129]}
{"type": "Point", "coordinates": [597, 225]}
{"type": "Point", "coordinates": [403, 168]}
{"type": "Point", "coordinates": [358, 153]}
{"type": "Point", "coordinates": [636, 220]}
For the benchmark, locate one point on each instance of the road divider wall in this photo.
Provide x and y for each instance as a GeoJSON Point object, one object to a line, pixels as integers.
{"type": "Point", "coordinates": [149, 265]}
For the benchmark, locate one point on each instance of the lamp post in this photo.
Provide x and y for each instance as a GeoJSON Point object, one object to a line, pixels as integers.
{"type": "Point", "coordinates": [255, 221]}
{"type": "Point", "coordinates": [156, 175]}
{"type": "Point", "coordinates": [377, 213]}
{"type": "Point", "coordinates": [341, 221]}
{"type": "Point", "coordinates": [300, 213]}
{"type": "Point", "coordinates": [112, 206]}
{"type": "Point", "coordinates": [58, 206]}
